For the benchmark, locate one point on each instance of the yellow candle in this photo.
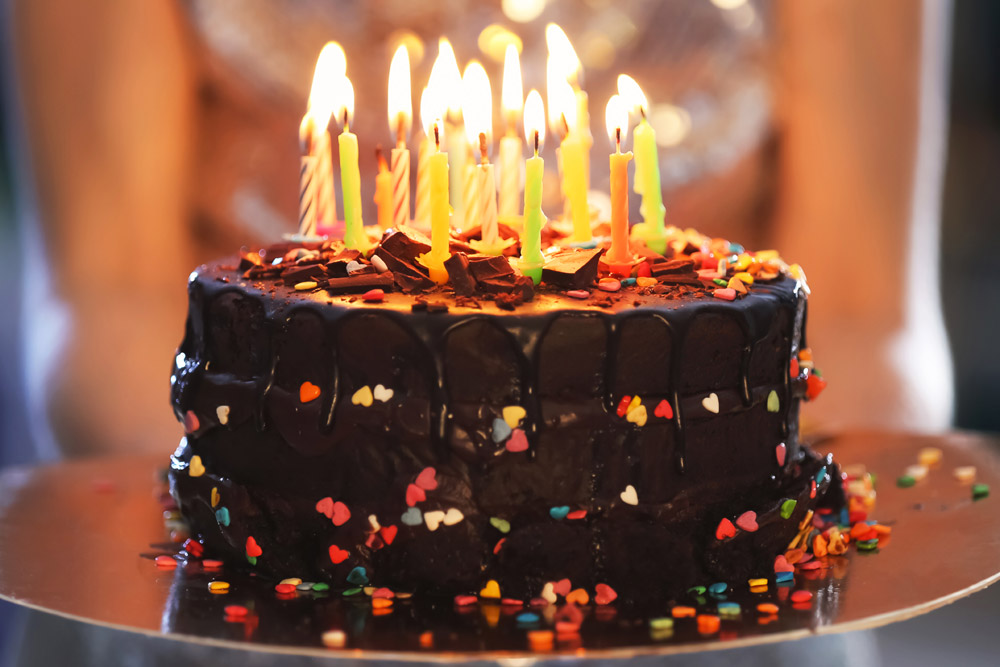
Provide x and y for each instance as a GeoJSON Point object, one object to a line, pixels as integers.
{"type": "Point", "coordinates": [618, 257]}
{"type": "Point", "coordinates": [512, 102]}
{"type": "Point", "coordinates": [434, 260]}
{"type": "Point", "coordinates": [350, 175]}
{"type": "Point", "coordinates": [383, 191]}
{"type": "Point", "coordinates": [572, 153]}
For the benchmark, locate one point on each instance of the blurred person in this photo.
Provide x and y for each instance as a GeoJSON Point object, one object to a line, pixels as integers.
{"type": "Point", "coordinates": [153, 148]}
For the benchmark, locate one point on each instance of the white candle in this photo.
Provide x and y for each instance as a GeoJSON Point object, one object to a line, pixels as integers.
{"type": "Point", "coordinates": [512, 102]}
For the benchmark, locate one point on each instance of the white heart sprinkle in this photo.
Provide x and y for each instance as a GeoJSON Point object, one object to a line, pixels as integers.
{"type": "Point", "coordinates": [379, 264]}
{"type": "Point", "coordinates": [711, 403]}
{"type": "Point", "coordinates": [382, 393]}
{"type": "Point", "coordinates": [549, 593]}
{"type": "Point", "coordinates": [222, 412]}
{"type": "Point", "coordinates": [354, 266]}
{"type": "Point", "coordinates": [453, 516]}
{"type": "Point", "coordinates": [433, 519]}
{"type": "Point", "coordinates": [629, 496]}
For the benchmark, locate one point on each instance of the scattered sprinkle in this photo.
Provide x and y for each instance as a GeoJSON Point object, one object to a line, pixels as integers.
{"type": "Point", "coordinates": [788, 507]}
{"type": "Point", "coordinates": [629, 496]}
{"type": "Point", "coordinates": [222, 414]}
{"type": "Point", "coordinates": [196, 468]}
{"type": "Point", "coordinates": [578, 294]}
{"type": "Point", "coordinates": [559, 513]}
{"type": "Point", "coordinates": [363, 397]}
{"type": "Point", "coordinates": [773, 404]}
{"type": "Point", "coordinates": [218, 587]}
{"type": "Point", "coordinates": [965, 474]}
{"type": "Point", "coordinates": [711, 403]}
{"type": "Point", "coordinates": [747, 521]}
{"type": "Point", "coordinates": [801, 596]}
{"type": "Point", "coordinates": [358, 576]}
{"type": "Point", "coordinates": [905, 481]}
{"type": "Point", "coordinates": [308, 392]}
{"type": "Point", "coordinates": [305, 285]}
{"type": "Point", "coordinates": [491, 590]}
{"type": "Point", "coordinates": [165, 562]}
{"type": "Point", "coordinates": [382, 394]}
{"type": "Point", "coordinates": [500, 524]}
{"type": "Point", "coordinates": [980, 491]}
{"type": "Point", "coordinates": [930, 456]}
{"type": "Point", "coordinates": [334, 639]}
{"type": "Point", "coordinates": [609, 284]}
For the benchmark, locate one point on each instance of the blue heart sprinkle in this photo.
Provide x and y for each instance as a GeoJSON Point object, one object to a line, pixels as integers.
{"type": "Point", "coordinates": [718, 588]}
{"type": "Point", "coordinates": [222, 516]}
{"type": "Point", "coordinates": [501, 431]}
{"type": "Point", "coordinates": [412, 517]}
{"type": "Point", "coordinates": [628, 282]}
{"type": "Point", "coordinates": [527, 618]}
{"type": "Point", "coordinates": [821, 475]}
{"type": "Point", "coordinates": [358, 576]}
{"type": "Point", "coordinates": [559, 513]}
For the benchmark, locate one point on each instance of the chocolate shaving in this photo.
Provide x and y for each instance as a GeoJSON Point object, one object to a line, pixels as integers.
{"type": "Point", "coordinates": [486, 267]}
{"type": "Point", "coordinates": [572, 269]}
{"type": "Point", "coordinates": [671, 266]}
{"type": "Point", "coordinates": [297, 274]}
{"type": "Point", "coordinates": [459, 274]}
{"type": "Point", "coordinates": [358, 283]}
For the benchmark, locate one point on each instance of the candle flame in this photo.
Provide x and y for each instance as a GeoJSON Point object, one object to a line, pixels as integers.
{"type": "Point", "coordinates": [562, 106]}
{"type": "Point", "coordinates": [616, 117]}
{"type": "Point", "coordinates": [632, 95]}
{"type": "Point", "coordinates": [400, 98]}
{"type": "Point", "coordinates": [429, 111]}
{"type": "Point", "coordinates": [561, 49]}
{"type": "Point", "coordinates": [331, 66]}
{"type": "Point", "coordinates": [446, 79]}
{"type": "Point", "coordinates": [345, 102]}
{"type": "Point", "coordinates": [512, 92]}
{"type": "Point", "coordinates": [534, 118]}
{"type": "Point", "coordinates": [477, 103]}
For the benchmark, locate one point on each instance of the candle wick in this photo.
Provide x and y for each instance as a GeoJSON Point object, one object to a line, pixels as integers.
{"type": "Point", "coordinates": [400, 131]}
{"type": "Point", "coordinates": [618, 140]}
{"type": "Point", "coordinates": [380, 158]}
{"type": "Point", "coordinates": [565, 124]}
{"type": "Point", "coordinates": [482, 147]}
{"type": "Point", "coordinates": [642, 110]}
{"type": "Point", "coordinates": [437, 137]}
{"type": "Point", "coordinates": [536, 143]}
{"type": "Point", "coordinates": [347, 123]}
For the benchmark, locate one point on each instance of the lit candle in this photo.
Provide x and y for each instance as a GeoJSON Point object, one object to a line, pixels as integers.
{"type": "Point", "coordinates": [350, 175]}
{"type": "Point", "coordinates": [572, 70]}
{"type": "Point", "coordinates": [647, 169]}
{"type": "Point", "coordinates": [572, 152]}
{"type": "Point", "coordinates": [427, 116]}
{"type": "Point", "coordinates": [331, 66]}
{"type": "Point", "coordinates": [446, 79]}
{"type": "Point", "coordinates": [383, 191]}
{"type": "Point", "coordinates": [477, 113]}
{"type": "Point", "coordinates": [400, 120]}
{"type": "Point", "coordinates": [511, 101]}
{"type": "Point", "coordinates": [532, 260]}
{"type": "Point", "coordinates": [618, 257]}
{"type": "Point", "coordinates": [307, 182]}
{"type": "Point", "coordinates": [437, 165]}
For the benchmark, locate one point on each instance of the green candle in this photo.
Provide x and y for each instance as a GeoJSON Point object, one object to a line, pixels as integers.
{"type": "Point", "coordinates": [350, 175]}
{"type": "Point", "coordinates": [531, 243]}
{"type": "Point", "coordinates": [647, 168]}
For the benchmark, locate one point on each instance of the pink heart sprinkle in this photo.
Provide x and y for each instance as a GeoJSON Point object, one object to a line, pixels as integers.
{"type": "Point", "coordinates": [325, 507]}
{"type": "Point", "coordinates": [427, 479]}
{"type": "Point", "coordinates": [414, 495]}
{"type": "Point", "coordinates": [747, 521]}
{"type": "Point", "coordinates": [779, 453]}
{"type": "Point", "coordinates": [604, 594]}
{"type": "Point", "coordinates": [561, 587]}
{"type": "Point", "coordinates": [518, 441]}
{"type": "Point", "coordinates": [781, 564]}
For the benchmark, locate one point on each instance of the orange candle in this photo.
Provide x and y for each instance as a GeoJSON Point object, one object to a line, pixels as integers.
{"type": "Point", "coordinates": [618, 257]}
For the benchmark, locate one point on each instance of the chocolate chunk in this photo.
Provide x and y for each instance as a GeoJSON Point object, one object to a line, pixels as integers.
{"type": "Point", "coordinates": [459, 274]}
{"type": "Point", "coordinates": [297, 274]}
{"type": "Point", "coordinates": [409, 283]}
{"type": "Point", "coordinates": [572, 269]}
{"type": "Point", "coordinates": [346, 255]}
{"type": "Point", "coordinates": [502, 285]}
{"type": "Point", "coordinates": [359, 283]}
{"type": "Point", "coordinates": [487, 267]}
{"type": "Point", "coordinates": [671, 266]}
{"type": "Point", "coordinates": [249, 259]}
{"type": "Point", "coordinates": [399, 251]}
{"type": "Point", "coordinates": [437, 307]}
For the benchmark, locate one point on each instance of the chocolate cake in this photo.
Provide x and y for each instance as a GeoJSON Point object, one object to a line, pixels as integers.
{"type": "Point", "coordinates": [350, 422]}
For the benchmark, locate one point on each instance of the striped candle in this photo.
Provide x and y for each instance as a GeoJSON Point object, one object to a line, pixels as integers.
{"type": "Point", "coordinates": [470, 198]}
{"type": "Point", "coordinates": [400, 161]}
{"type": "Point", "coordinates": [423, 212]}
{"type": "Point", "coordinates": [307, 195]}
{"type": "Point", "coordinates": [326, 200]}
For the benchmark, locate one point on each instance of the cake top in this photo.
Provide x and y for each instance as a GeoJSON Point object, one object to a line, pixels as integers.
{"type": "Point", "coordinates": [693, 267]}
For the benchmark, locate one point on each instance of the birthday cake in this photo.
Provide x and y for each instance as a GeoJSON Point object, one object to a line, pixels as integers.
{"type": "Point", "coordinates": [349, 421]}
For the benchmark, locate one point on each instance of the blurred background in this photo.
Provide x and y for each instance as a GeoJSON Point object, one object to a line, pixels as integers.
{"type": "Point", "coordinates": [862, 139]}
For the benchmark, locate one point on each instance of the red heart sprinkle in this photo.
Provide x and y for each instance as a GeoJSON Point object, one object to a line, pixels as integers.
{"type": "Point", "coordinates": [325, 507]}
{"type": "Point", "coordinates": [793, 368]}
{"type": "Point", "coordinates": [499, 546]}
{"type": "Point", "coordinates": [284, 589]}
{"type": "Point", "coordinates": [374, 542]}
{"type": "Point", "coordinates": [340, 514]}
{"type": "Point", "coordinates": [623, 405]}
{"type": "Point", "coordinates": [388, 533]}
{"type": "Point", "coordinates": [427, 479]}
{"type": "Point", "coordinates": [747, 521]}
{"type": "Point", "coordinates": [414, 495]}
{"type": "Point", "coordinates": [191, 422]}
{"type": "Point", "coordinates": [576, 514]}
{"type": "Point", "coordinates": [373, 295]}
{"type": "Point", "coordinates": [383, 593]}
{"type": "Point", "coordinates": [812, 489]}
{"type": "Point", "coordinates": [253, 549]}
{"type": "Point", "coordinates": [308, 392]}
{"type": "Point", "coordinates": [338, 555]}
{"type": "Point", "coordinates": [518, 441]}
{"type": "Point", "coordinates": [604, 594]}
{"type": "Point", "coordinates": [725, 529]}
{"type": "Point", "coordinates": [781, 564]}
{"type": "Point", "coordinates": [664, 410]}
{"type": "Point", "coordinates": [465, 600]}
{"type": "Point", "coordinates": [779, 453]}
{"type": "Point", "coordinates": [236, 611]}
{"type": "Point", "coordinates": [643, 271]}
{"type": "Point", "coordinates": [562, 587]}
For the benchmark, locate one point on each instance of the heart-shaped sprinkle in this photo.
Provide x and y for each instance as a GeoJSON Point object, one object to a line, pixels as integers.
{"type": "Point", "coordinates": [196, 468]}
{"type": "Point", "coordinates": [222, 516]}
{"type": "Point", "coordinates": [549, 593]}
{"type": "Point", "coordinates": [412, 517]}
{"type": "Point", "coordinates": [499, 545]}
{"type": "Point", "coordinates": [308, 392]}
{"type": "Point", "coordinates": [637, 416]}
{"type": "Point", "coordinates": [191, 422]}
{"type": "Point", "coordinates": [559, 513]}
{"type": "Point", "coordinates": [338, 555]}
{"type": "Point", "coordinates": [578, 294]}
{"type": "Point", "coordinates": [374, 541]}
{"type": "Point", "coordinates": [576, 514]}
{"type": "Point", "coordinates": [253, 549]}
{"type": "Point", "coordinates": [433, 519]}
{"type": "Point", "coordinates": [747, 521]}
{"type": "Point", "coordinates": [725, 529]}
{"type": "Point", "coordinates": [340, 514]}
{"type": "Point", "coordinates": [663, 410]}
{"type": "Point", "coordinates": [788, 507]}
{"type": "Point", "coordinates": [773, 404]}
{"type": "Point", "coordinates": [779, 454]}
{"type": "Point", "coordinates": [500, 524]}
{"type": "Point", "coordinates": [629, 496]}
{"type": "Point", "coordinates": [383, 594]}
{"type": "Point", "coordinates": [363, 397]}
{"type": "Point", "coordinates": [354, 266]}
{"type": "Point", "coordinates": [518, 441]}
{"type": "Point", "coordinates": [379, 264]}
{"type": "Point", "coordinates": [453, 516]}
{"type": "Point", "coordinates": [781, 564]}
{"type": "Point", "coordinates": [325, 507]}
{"type": "Point", "coordinates": [604, 594]}
{"type": "Point", "coordinates": [358, 576]}
{"type": "Point", "coordinates": [623, 404]}
{"type": "Point", "coordinates": [414, 495]}
{"type": "Point", "coordinates": [427, 479]}
{"type": "Point", "coordinates": [562, 587]}
{"type": "Point", "coordinates": [382, 393]}
{"type": "Point", "coordinates": [501, 431]}
{"type": "Point", "coordinates": [633, 404]}
{"type": "Point", "coordinates": [388, 533]}
{"type": "Point", "coordinates": [222, 413]}
{"type": "Point", "coordinates": [492, 590]}
{"type": "Point", "coordinates": [711, 403]}
{"type": "Point", "coordinates": [373, 295]}
{"type": "Point", "coordinates": [513, 414]}
{"type": "Point", "coordinates": [215, 496]}
{"type": "Point", "coordinates": [465, 600]}
{"type": "Point", "coordinates": [578, 596]}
